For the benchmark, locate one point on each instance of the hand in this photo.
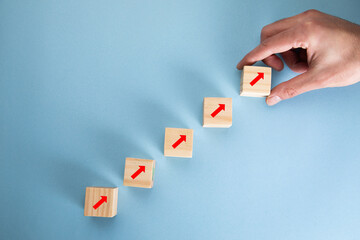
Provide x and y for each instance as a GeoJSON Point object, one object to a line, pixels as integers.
{"type": "Point", "coordinates": [324, 48]}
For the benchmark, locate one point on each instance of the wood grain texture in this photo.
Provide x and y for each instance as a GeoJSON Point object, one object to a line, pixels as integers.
{"type": "Point", "coordinates": [106, 209]}
{"type": "Point", "coordinates": [144, 179]}
{"type": "Point", "coordinates": [223, 119]}
{"type": "Point", "coordinates": [185, 149]}
{"type": "Point", "coordinates": [261, 88]}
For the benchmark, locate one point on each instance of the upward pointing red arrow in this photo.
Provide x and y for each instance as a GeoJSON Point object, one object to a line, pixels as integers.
{"type": "Point", "coordinates": [101, 201]}
{"type": "Point", "coordinates": [258, 77]}
{"type": "Point", "coordinates": [181, 139]}
{"type": "Point", "coordinates": [141, 169]}
{"type": "Point", "coordinates": [219, 109]}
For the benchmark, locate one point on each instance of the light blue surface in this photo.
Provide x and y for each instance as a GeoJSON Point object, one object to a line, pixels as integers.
{"type": "Point", "coordinates": [84, 84]}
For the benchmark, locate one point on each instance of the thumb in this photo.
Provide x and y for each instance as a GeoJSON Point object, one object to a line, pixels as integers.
{"type": "Point", "coordinates": [295, 86]}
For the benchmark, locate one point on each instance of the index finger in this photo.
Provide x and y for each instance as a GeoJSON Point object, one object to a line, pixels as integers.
{"type": "Point", "coordinates": [278, 43]}
{"type": "Point", "coordinates": [278, 26]}
{"type": "Point", "coordinates": [284, 24]}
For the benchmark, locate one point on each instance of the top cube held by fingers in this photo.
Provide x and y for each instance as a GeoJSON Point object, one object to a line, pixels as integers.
{"type": "Point", "coordinates": [255, 81]}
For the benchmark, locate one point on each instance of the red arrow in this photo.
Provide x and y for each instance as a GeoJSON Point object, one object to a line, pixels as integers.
{"type": "Point", "coordinates": [141, 169]}
{"type": "Point", "coordinates": [101, 201]}
{"type": "Point", "coordinates": [181, 139]}
{"type": "Point", "coordinates": [219, 109]}
{"type": "Point", "coordinates": [258, 77]}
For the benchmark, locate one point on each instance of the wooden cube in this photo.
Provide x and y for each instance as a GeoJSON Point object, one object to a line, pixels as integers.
{"type": "Point", "coordinates": [217, 112]}
{"type": "Point", "coordinates": [178, 142]}
{"type": "Point", "coordinates": [139, 173]}
{"type": "Point", "coordinates": [256, 81]}
{"type": "Point", "coordinates": [101, 202]}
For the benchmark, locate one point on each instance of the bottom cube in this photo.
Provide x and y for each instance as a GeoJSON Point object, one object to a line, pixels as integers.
{"type": "Point", "coordinates": [101, 202]}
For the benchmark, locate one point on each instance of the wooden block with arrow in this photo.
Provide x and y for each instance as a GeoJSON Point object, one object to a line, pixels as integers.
{"type": "Point", "coordinates": [217, 112]}
{"type": "Point", "coordinates": [139, 173]}
{"type": "Point", "coordinates": [178, 142]}
{"type": "Point", "coordinates": [101, 202]}
{"type": "Point", "coordinates": [256, 81]}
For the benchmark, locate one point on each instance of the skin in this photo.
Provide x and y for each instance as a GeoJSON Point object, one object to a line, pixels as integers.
{"type": "Point", "coordinates": [323, 48]}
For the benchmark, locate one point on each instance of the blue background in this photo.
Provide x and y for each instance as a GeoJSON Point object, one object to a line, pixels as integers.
{"type": "Point", "coordinates": [84, 84]}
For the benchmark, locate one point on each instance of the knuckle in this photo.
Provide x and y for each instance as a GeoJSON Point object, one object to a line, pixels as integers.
{"type": "Point", "coordinates": [265, 47]}
{"type": "Point", "coordinates": [264, 32]}
{"type": "Point", "coordinates": [309, 25]}
{"type": "Point", "coordinates": [289, 92]}
{"type": "Point", "coordinates": [311, 12]}
{"type": "Point", "coordinates": [308, 28]}
{"type": "Point", "coordinates": [264, 44]}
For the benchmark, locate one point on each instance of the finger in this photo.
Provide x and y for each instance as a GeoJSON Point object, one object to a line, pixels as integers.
{"type": "Point", "coordinates": [277, 27]}
{"type": "Point", "coordinates": [275, 62]}
{"type": "Point", "coordinates": [279, 43]}
{"type": "Point", "coordinates": [298, 85]}
{"type": "Point", "coordinates": [294, 62]}
{"type": "Point", "coordinates": [284, 24]}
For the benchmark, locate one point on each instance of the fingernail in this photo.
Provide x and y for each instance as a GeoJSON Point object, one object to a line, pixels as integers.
{"type": "Point", "coordinates": [273, 100]}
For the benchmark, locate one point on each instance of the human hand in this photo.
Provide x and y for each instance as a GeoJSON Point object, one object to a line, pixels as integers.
{"type": "Point", "coordinates": [324, 48]}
